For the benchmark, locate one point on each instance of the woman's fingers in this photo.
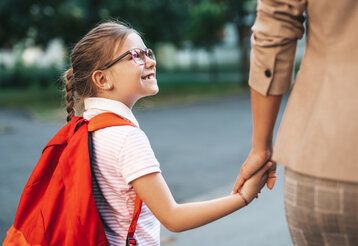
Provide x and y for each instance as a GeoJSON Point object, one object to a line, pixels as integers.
{"type": "Point", "coordinates": [253, 163]}
{"type": "Point", "coordinates": [271, 182]}
{"type": "Point", "coordinates": [265, 168]}
{"type": "Point", "coordinates": [245, 173]}
{"type": "Point", "coordinates": [238, 184]}
{"type": "Point", "coordinates": [271, 177]}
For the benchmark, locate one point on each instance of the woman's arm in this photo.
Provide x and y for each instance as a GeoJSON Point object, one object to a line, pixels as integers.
{"type": "Point", "coordinates": [278, 26]}
{"type": "Point", "coordinates": [154, 192]}
{"type": "Point", "coordinates": [264, 114]}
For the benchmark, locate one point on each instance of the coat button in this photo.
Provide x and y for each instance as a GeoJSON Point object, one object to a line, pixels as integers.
{"type": "Point", "coordinates": [268, 73]}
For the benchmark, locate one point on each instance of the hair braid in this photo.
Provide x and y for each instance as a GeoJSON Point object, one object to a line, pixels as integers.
{"type": "Point", "coordinates": [70, 101]}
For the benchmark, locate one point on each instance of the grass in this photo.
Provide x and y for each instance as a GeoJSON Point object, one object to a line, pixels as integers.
{"type": "Point", "coordinates": [47, 104]}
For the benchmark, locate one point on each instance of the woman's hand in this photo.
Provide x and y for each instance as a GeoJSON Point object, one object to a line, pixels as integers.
{"type": "Point", "coordinates": [256, 160]}
{"type": "Point", "coordinates": [253, 185]}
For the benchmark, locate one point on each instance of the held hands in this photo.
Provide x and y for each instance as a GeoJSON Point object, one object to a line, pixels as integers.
{"type": "Point", "coordinates": [254, 162]}
{"type": "Point", "coordinates": [255, 183]}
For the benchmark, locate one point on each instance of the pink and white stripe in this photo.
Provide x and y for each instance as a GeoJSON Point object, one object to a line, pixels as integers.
{"type": "Point", "coordinates": [121, 155]}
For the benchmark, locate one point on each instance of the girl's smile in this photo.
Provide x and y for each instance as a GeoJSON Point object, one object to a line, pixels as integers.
{"type": "Point", "coordinates": [149, 77]}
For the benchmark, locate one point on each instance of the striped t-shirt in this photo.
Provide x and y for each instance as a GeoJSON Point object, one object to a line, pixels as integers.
{"type": "Point", "coordinates": [121, 155]}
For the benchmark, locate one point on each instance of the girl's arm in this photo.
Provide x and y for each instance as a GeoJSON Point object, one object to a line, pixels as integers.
{"type": "Point", "coordinates": [154, 192]}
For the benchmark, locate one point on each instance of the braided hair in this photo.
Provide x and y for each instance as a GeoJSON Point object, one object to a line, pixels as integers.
{"type": "Point", "coordinates": [70, 101]}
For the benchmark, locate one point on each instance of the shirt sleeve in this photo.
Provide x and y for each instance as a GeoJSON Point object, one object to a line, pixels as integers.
{"type": "Point", "coordinates": [137, 157]}
{"type": "Point", "coordinates": [278, 26]}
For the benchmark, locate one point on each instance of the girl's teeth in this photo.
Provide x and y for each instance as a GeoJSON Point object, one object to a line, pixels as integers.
{"type": "Point", "coordinates": [149, 76]}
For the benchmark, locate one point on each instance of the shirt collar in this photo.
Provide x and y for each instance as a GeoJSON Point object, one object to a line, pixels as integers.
{"type": "Point", "coordinates": [105, 105]}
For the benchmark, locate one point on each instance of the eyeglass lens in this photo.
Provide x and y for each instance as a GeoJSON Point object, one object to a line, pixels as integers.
{"type": "Point", "coordinates": [139, 55]}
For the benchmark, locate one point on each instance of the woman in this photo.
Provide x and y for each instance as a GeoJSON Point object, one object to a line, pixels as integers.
{"type": "Point", "coordinates": [317, 140]}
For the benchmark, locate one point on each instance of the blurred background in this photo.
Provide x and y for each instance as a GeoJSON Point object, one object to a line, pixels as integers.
{"type": "Point", "coordinates": [198, 43]}
{"type": "Point", "coordinates": [201, 117]}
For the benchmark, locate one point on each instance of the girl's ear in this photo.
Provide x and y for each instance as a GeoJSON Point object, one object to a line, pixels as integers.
{"type": "Point", "coordinates": [100, 80]}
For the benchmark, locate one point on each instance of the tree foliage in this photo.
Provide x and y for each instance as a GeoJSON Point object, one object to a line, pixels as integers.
{"type": "Point", "coordinates": [35, 22]}
{"type": "Point", "coordinates": [242, 14]}
{"type": "Point", "coordinates": [41, 21]}
{"type": "Point", "coordinates": [207, 23]}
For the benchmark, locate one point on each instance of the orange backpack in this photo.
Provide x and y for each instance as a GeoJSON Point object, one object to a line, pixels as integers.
{"type": "Point", "coordinates": [57, 206]}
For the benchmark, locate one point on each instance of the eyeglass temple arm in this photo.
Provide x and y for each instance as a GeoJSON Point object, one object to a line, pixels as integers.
{"type": "Point", "coordinates": [116, 60]}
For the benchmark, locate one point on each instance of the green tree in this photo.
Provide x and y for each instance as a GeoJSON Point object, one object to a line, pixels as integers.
{"type": "Point", "coordinates": [242, 14]}
{"type": "Point", "coordinates": [158, 20]}
{"type": "Point", "coordinates": [206, 29]}
{"type": "Point", "coordinates": [41, 21]}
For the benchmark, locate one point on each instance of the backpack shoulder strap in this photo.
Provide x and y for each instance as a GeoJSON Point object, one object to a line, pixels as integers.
{"type": "Point", "coordinates": [104, 120]}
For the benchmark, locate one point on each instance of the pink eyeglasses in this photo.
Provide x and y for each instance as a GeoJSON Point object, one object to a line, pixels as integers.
{"type": "Point", "coordinates": [138, 55]}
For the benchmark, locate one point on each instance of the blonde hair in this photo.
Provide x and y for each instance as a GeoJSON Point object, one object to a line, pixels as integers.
{"type": "Point", "coordinates": [93, 51]}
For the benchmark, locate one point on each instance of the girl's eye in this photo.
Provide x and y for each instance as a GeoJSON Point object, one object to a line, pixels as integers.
{"type": "Point", "coordinates": [150, 54]}
{"type": "Point", "coordinates": [135, 55]}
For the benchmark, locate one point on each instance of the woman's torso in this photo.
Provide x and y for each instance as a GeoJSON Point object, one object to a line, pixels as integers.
{"type": "Point", "coordinates": [319, 131]}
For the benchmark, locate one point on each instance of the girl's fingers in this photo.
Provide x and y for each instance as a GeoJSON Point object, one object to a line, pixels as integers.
{"type": "Point", "coordinates": [262, 183]}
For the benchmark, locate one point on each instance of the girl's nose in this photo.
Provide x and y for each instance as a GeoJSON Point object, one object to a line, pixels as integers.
{"type": "Point", "coordinates": [149, 63]}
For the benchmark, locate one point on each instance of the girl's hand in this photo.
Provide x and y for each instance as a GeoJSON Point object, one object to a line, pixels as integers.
{"type": "Point", "coordinates": [253, 185]}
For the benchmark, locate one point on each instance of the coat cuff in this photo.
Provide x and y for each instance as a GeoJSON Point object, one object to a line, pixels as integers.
{"type": "Point", "coordinates": [271, 69]}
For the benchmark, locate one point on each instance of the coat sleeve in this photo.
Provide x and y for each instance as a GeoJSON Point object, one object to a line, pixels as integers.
{"type": "Point", "coordinates": [278, 26]}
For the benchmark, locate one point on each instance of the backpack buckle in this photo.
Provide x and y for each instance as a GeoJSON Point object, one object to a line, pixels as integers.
{"type": "Point", "coordinates": [131, 241]}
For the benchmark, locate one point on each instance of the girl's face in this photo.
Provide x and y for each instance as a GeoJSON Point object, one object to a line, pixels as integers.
{"type": "Point", "coordinates": [132, 81]}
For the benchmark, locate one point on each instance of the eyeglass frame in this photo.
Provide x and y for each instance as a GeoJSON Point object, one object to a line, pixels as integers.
{"type": "Point", "coordinates": [129, 52]}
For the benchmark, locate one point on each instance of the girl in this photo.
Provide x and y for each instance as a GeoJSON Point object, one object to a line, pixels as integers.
{"type": "Point", "coordinates": [111, 70]}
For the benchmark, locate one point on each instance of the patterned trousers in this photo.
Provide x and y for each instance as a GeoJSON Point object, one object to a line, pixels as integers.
{"type": "Point", "coordinates": [321, 211]}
